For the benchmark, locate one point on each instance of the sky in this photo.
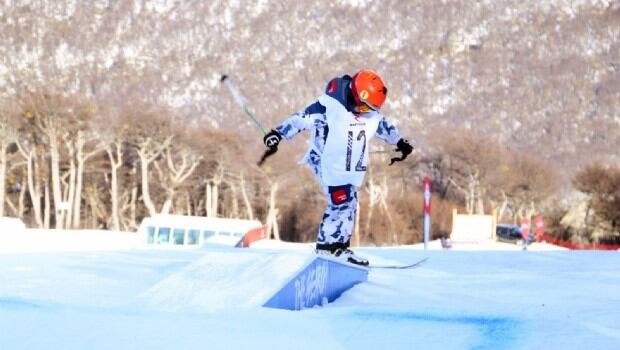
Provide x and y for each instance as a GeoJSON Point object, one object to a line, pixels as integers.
{"type": "Point", "coordinates": [116, 295]}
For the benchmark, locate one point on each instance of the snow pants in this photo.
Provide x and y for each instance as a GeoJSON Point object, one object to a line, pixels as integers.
{"type": "Point", "coordinates": [337, 225]}
{"type": "Point", "coordinates": [339, 216]}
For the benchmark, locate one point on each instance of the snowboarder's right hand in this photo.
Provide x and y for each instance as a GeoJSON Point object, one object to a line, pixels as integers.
{"type": "Point", "coordinates": [272, 139]}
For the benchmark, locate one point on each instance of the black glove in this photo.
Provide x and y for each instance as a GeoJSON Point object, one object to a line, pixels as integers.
{"type": "Point", "coordinates": [405, 148]}
{"type": "Point", "coordinates": [272, 139]}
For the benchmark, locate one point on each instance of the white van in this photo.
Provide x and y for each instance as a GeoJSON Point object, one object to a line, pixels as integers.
{"type": "Point", "coordinates": [179, 230]}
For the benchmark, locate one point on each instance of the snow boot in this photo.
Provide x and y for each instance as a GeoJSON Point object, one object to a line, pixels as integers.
{"type": "Point", "coordinates": [349, 255]}
{"type": "Point", "coordinates": [342, 252]}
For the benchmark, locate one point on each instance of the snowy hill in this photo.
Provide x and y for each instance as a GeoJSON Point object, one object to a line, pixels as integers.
{"type": "Point", "coordinates": [137, 298]}
{"type": "Point", "coordinates": [500, 66]}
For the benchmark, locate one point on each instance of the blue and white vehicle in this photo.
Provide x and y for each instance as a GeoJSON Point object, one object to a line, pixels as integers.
{"type": "Point", "coordinates": [180, 230]}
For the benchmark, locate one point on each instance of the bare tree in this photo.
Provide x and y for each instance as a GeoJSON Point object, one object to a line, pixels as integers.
{"type": "Point", "coordinates": [113, 122]}
{"type": "Point", "coordinates": [246, 199]}
{"type": "Point", "coordinates": [272, 214]}
{"type": "Point", "coordinates": [470, 162]}
{"type": "Point", "coordinates": [115, 155]}
{"type": "Point", "coordinates": [82, 156]}
{"type": "Point", "coordinates": [212, 188]}
{"type": "Point", "coordinates": [149, 138]}
{"type": "Point", "coordinates": [179, 166]}
{"type": "Point", "coordinates": [527, 182]}
{"type": "Point", "coordinates": [148, 151]}
{"type": "Point", "coordinates": [8, 138]}
{"type": "Point", "coordinates": [41, 141]}
{"type": "Point", "coordinates": [602, 185]}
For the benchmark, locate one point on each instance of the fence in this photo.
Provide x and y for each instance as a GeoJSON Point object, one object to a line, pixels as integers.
{"type": "Point", "coordinates": [578, 246]}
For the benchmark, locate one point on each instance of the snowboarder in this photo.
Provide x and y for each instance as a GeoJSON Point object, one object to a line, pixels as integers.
{"type": "Point", "coordinates": [342, 121]}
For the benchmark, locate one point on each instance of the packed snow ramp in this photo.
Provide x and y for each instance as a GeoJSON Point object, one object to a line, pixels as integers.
{"type": "Point", "coordinates": [235, 278]}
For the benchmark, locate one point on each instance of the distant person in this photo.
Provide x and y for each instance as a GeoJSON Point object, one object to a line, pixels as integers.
{"type": "Point", "coordinates": [446, 242]}
{"type": "Point", "coordinates": [342, 121]}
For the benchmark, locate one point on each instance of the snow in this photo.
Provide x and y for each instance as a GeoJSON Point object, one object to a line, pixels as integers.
{"type": "Point", "coordinates": [39, 240]}
{"type": "Point", "coordinates": [115, 293]}
{"type": "Point", "coordinates": [222, 280]}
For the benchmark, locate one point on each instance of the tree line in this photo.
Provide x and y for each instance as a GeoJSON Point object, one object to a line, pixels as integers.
{"type": "Point", "coordinates": [69, 161]}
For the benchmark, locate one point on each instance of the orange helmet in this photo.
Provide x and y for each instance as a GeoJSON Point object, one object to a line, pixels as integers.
{"type": "Point", "coordinates": [369, 91]}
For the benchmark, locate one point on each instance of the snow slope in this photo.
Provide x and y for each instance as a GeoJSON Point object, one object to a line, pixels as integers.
{"type": "Point", "coordinates": [137, 298]}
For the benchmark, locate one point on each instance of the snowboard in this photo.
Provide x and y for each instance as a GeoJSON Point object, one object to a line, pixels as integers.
{"type": "Point", "coordinates": [401, 267]}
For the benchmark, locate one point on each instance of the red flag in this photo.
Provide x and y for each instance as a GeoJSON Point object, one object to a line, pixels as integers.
{"type": "Point", "coordinates": [427, 195]}
{"type": "Point", "coordinates": [525, 228]}
{"type": "Point", "coordinates": [540, 227]}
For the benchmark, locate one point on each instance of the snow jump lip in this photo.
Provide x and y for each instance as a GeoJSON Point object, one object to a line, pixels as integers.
{"type": "Point", "coordinates": [321, 281]}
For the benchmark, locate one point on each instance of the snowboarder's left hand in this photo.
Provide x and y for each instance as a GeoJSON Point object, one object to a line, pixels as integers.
{"type": "Point", "coordinates": [405, 148]}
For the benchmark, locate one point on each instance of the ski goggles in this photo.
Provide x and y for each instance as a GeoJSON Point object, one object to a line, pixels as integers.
{"type": "Point", "coordinates": [363, 105]}
{"type": "Point", "coordinates": [366, 107]}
